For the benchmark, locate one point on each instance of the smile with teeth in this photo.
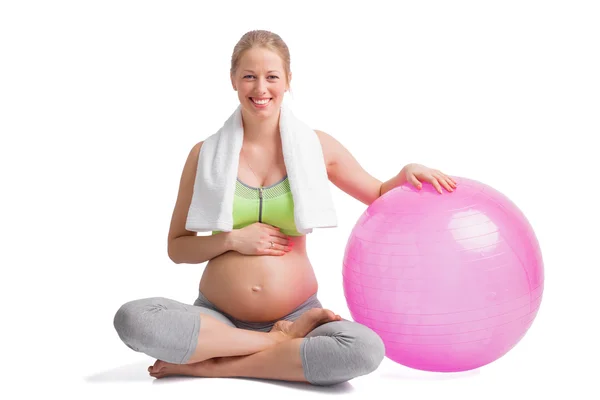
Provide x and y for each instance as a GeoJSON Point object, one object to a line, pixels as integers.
{"type": "Point", "coordinates": [260, 102]}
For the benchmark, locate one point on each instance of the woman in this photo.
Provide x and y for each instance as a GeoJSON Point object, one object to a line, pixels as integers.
{"type": "Point", "coordinates": [257, 314]}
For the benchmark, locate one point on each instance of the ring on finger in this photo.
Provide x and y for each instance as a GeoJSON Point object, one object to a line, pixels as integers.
{"type": "Point", "coordinates": [271, 245]}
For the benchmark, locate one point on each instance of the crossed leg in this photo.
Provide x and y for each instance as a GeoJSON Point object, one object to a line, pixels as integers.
{"type": "Point", "coordinates": [318, 347]}
{"type": "Point", "coordinates": [281, 361]}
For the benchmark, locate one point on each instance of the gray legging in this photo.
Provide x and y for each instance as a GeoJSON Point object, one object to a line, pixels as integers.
{"type": "Point", "coordinates": [168, 330]}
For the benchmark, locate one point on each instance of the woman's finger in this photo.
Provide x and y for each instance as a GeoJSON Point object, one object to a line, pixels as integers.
{"type": "Point", "coordinates": [277, 248]}
{"type": "Point", "coordinates": [452, 181]}
{"type": "Point", "coordinates": [281, 238]}
{"type": "Point", "coordinates": [271, 252]}
{"type": "Point", "coordinates": [416, 183]}
{"type": "Point", "coordinates": [433, 180]}
{"type": "Point", "coordinates": [280, 235]}
{"type": "Point", "coordinates": [282, 241]}
{"type": "Point", "coordinates": [444, 181]}
{"type": "Point", "coordinates": [274, 231]}
{"type": "Point", "coordinates": [449, 179]}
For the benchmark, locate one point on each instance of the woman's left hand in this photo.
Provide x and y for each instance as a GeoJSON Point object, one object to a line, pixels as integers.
{"type": "Point", "coordinates": [417, 173]}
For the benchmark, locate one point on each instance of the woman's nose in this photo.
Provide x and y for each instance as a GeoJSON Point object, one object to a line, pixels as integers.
{"type": "Point", "coordinates": [261, 86]}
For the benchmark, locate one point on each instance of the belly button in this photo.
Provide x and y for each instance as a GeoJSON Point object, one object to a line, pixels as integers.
{"type": "Point", "coordinates": [256, 288]}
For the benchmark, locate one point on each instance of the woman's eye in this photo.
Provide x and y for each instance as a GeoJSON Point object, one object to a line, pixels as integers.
{"type": "Point", "coordinates": [268, 77]}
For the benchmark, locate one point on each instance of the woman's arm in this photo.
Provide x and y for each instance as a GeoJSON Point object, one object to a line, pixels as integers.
{"type": "Point", "coordinates": [198, 249]}
{"type": "Point", "coordinates": [345, 172]}
{"type": "Point", "coordinates": [183, 245]}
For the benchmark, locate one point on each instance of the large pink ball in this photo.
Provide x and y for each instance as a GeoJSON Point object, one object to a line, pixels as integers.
{"type": "Point", "coordinates": [451, 281]}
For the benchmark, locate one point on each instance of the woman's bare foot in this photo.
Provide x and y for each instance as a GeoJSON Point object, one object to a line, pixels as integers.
{"type": "Point", "coordinates": [161, 369]}
{"type": "Point", "coordinates": [304, 324]}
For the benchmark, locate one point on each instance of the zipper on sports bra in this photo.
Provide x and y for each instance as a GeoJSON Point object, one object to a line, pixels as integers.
{"type": "Point", "coordinates": [260, 198]}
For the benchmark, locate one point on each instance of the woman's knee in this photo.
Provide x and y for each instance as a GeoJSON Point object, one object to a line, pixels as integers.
{"type": "Point", "coordinates": [340, 351]}
{"type": "Point", "coordinates": [368, 349]}
{"type": "Point", "coordinates": [129, 320]}
{"type": "Point", "coordinates": [162, 328]}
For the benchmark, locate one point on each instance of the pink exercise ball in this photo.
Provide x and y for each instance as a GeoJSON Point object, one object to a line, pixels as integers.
{"type": "Point", "coordinates": [450, 282]}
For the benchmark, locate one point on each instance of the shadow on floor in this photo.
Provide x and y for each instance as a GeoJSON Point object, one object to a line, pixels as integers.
{"type": "Point", "coordinates": [137, 372]}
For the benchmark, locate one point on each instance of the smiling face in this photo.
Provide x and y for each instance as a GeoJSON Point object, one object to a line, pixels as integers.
{"type": "Point", "coordinates": [261, 82]}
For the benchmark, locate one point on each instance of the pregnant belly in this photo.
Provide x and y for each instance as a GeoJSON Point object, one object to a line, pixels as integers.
{"type": "Point", "coordinates": [259, 288]}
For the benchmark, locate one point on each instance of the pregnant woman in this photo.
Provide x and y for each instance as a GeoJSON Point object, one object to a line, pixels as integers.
{"type": "Point", "coordinates": [257, 313]}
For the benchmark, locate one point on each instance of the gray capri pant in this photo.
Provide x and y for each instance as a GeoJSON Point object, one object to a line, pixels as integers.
{"type": "Point", "coordinates": [167, 330]}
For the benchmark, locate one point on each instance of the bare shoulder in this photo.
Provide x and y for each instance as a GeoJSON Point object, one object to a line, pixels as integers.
{"type": "Point", "coordinates": [329, 145]}
{"type": "Point", "coordinates": [324, 137]}
{"type": "Point", "coordinates": [195, 151]}
{"type": "Point", "coordinates": [191, 164]}
{"type": "Point", "coordinates": [189, 168]}
{"type": "Point", "coordinates": [345, 171]}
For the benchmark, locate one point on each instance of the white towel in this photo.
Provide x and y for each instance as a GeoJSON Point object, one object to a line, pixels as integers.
{"type": "Point", "coordinates": [212, 200]}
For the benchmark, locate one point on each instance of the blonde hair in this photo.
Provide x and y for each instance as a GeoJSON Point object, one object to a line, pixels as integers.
{"type": "Point", "coordinates": [265, 39]}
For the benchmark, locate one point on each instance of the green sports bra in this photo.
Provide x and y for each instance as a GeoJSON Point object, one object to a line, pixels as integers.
{"type": "Point", "coordinates": [271, 205]}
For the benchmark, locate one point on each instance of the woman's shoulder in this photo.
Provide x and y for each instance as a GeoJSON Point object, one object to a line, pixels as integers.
{"type": "Point", "coordinates": [329, 145]}
{"type": "Point", "coordinates": [196, 148]}
{"type": "Point", "coordinates": [192, 159]}
{"type": "Point", "coordinates": [194, 152]}
{"type": "Point", "coordinates": [327, 141]}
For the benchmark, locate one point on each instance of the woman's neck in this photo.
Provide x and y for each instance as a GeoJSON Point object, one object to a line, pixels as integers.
{"type": "Point", "coordinates": [261, 131]}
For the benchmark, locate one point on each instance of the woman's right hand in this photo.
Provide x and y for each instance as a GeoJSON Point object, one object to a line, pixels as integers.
{"type": "Point", "coordinates": [256, 239]}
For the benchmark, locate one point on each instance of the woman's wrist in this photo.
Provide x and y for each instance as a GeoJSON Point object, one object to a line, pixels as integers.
{"type": "Point", "coordinates": [230, 240]}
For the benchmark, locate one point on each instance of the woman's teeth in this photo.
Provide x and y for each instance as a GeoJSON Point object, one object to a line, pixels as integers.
{"type": "Point", "coordinates": [261, 102]}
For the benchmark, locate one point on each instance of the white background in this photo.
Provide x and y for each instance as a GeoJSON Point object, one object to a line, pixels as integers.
{"type": "Point", "coordinates": [100, 103]}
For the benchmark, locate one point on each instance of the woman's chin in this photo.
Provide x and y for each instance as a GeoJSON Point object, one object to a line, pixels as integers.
{"type": "Point", "coordinates": [263, 112]}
